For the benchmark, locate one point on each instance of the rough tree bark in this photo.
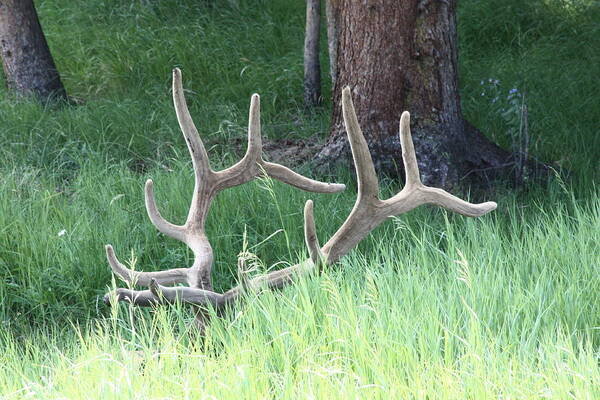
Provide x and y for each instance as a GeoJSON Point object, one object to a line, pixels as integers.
{"type": "Point", "coordinates": [312, 66]}
{"type": "Point", "coordinates": [400, 55]}
{"type": "Point", "coordinates": [26, 59]}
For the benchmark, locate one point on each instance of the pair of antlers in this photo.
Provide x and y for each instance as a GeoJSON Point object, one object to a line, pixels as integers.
{"type": "Point", "coordinates": [369, 211]}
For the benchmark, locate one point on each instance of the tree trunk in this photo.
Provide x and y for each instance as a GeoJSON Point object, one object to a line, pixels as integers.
{"type": "Point", "coordinates": [401, 55]}
{"type": "Point", "coordinates": [26, 59]}
{"type": "Point", "coordinates": [332, 35]}
{"type": "Point", "coordinates": [312, 66]}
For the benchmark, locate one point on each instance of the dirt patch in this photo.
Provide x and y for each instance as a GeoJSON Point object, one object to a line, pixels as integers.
{"type": "Point", "coordinates": [289, 152]}
{"type": "Point", "coordinates": [292, 152]}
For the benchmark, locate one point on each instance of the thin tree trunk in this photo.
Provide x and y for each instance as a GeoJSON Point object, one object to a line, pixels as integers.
{"type": "Point", "coordinates": [312, 66]}
{"type": "Point", "coordinates": [332, 35]}
{"type": "Point", "coordinates": [401, 55]}
{"type": "Point", "coordinates": [26, 59]}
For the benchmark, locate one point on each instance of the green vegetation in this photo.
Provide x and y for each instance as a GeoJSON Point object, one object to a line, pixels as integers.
{"type": "Point", "coordinates": [431, 305]}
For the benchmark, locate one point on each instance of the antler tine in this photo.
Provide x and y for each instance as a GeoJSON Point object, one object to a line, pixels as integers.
{"type": "Point", "coordinates": [168, 277]}
{"type": "Point", "coordinates": [411, 168]}
{"type": "Point", "coordinates": [444, 199]}
{"type": "Point", "coordinates": [310, 235]}
{"type": "Point", "coordinates": [192, 138]}
{"type": "Point", "coordinates": [254, 149]}
{"type": "Point", "coordinates": [286, 175]}
{"type": "Point", "coordinates": [368, 184]}
{"type": "Point", "coordinates": [175, 231]}
{"type": "Point", "coordinates": [247, 168]}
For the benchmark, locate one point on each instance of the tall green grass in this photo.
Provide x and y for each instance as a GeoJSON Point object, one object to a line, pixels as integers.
{"type": "Point", "coordinates": [431, 305]}
{"type": "Point", "coordinates": [506, 306]}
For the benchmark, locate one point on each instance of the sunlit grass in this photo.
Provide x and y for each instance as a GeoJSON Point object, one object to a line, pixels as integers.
{"type": "Point", "coordinates": [501, 307]}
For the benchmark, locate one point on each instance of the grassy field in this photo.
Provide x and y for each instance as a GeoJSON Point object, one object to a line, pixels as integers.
{"type": "Point", "coordinates": [432, 305]}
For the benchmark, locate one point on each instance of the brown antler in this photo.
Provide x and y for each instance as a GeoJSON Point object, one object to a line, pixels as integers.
{"type": "Point", "coordinates": [208, 184]}
{"type": "Point", "coordinates": [369, 211]}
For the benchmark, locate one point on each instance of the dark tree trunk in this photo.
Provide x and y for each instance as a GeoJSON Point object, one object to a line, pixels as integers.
{"type": "Point", "coordinates": [312, 66]}
{"type": "Point", "coordinates": [26, 59]}
{"type": "Point", "coordinates": [401, 55]}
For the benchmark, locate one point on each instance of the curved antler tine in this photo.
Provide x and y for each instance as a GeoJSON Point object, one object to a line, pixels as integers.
{"type": "Point", "coordinates": [411, 167]}
{"type": "Point", "coordinates": [286, 175]}
{"type": "Point", "coordinates": [310, 235]}
{"type": "Point", "coordinates": [368, 184]}
{"type": "Point", "coordinates": [168, 277]}
{"type": "Point", "coordinates": [164, 226]}
{"type": "Point", "coordinates": [188, 295]}
{"type": "Point", "coordinates": [192, 138]}
{"type": "Point", "coordinates": [119, 269]}
{"type": "Point", "coordinates": [444, 199]}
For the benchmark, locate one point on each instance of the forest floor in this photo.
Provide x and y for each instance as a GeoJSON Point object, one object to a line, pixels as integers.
{"type": "Point", "coordinates": [431, 305]}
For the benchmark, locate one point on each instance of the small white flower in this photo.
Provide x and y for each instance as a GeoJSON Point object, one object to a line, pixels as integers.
{"type": "Point", "coordinates": [62, 233]}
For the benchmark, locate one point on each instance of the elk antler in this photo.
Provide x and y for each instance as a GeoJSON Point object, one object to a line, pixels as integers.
{"type": "Point", "coordinates": [369, 211]}
{"type": "Point", "coordinates": [208, 184]}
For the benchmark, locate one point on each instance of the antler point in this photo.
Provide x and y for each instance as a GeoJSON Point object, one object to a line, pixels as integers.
{"type": "Point", "coordinates": [308, 207]}
{"type": "Point", "coordinates": [492, 205]}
